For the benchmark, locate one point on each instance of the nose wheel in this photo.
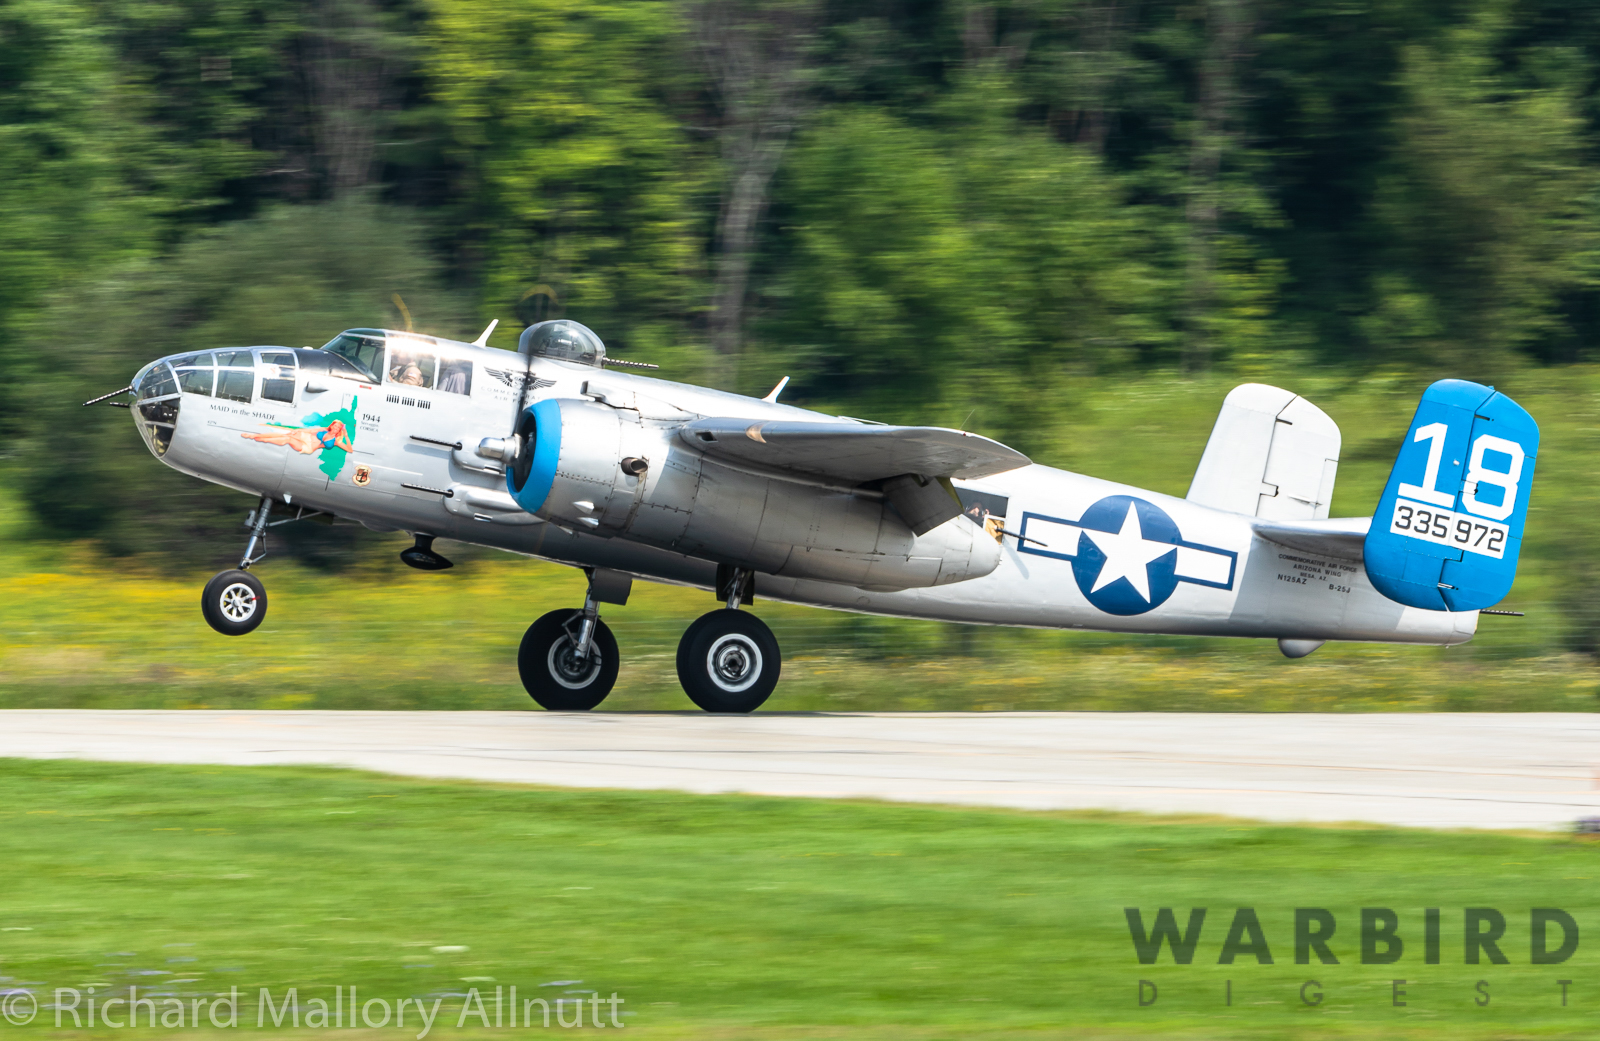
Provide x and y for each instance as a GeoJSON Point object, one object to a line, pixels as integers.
{"type": "Point", "coordinates": [234, 602]}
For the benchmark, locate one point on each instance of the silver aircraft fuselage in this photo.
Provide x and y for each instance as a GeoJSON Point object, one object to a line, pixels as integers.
{"type": "Point", "coordinates": [1225, 579]}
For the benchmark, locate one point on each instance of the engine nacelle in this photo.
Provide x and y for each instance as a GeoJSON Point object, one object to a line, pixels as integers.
{"type": "Point", "coordinates": [567, 466]}
{"type": "Point", "coordinates": [612, 472]}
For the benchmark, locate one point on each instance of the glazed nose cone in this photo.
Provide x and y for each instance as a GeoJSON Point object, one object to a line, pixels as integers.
{"type": "Point", "coordinates": [156, 408]}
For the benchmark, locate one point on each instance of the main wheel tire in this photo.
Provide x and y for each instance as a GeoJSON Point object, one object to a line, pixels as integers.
{"type": "Point", "coordinates": [728, 661]}
{"type": "Point", "coordinates": [551, 671]}
{"type": "Point", "coordinates": [234, 603]}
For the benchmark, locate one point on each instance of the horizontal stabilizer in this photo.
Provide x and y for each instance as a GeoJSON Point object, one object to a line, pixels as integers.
{"type": "Point", "coordinates": [1340, 537]}
{"type": "Point", "coordinates": [1272, 454]}
{"type": "Point", "coordinates": [852, 452]}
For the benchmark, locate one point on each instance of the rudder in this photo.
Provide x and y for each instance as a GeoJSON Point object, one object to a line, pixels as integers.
{"type": "Point", "coordinates": [1448, 531]}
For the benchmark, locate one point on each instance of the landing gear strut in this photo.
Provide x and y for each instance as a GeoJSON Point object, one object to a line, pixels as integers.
{"type": "Point", "coordinates": [728, 660]}
{"type": "Point", "coordinates": [568, 659]}
{"type": "Point", "coordinates": [235, 602]}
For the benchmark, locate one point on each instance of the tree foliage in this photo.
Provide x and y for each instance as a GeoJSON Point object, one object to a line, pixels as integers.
{"type": "Point", "coordinates": [913, 209]}
{"type": "Point", "coordinates": [580, 178]}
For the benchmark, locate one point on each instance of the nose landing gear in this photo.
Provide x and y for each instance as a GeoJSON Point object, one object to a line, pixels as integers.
{"type": "Point", "coordinates": [234, 602]}
{"type": "Point", "coordinates": [728, 660]}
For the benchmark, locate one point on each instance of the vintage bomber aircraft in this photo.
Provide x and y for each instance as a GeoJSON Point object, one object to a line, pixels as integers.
{"type": "Point", "coordinates": [545, 452]}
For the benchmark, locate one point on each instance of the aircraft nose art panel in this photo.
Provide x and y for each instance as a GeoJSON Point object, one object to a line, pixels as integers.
{"type": "Point", "coordinates": [1448, 529]}
{"type": "Point", "coordinates": [853, 452]}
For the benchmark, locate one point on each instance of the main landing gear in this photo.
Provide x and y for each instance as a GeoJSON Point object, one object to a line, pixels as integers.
{"type": "Point", "coordinates": [568, 659]}
{"type": "Point", "coordinates": [728, 660]}
{"type": "Point", "coordinates": [235, 602]}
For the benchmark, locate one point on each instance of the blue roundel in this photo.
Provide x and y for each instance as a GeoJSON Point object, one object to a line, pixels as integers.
{"type": "Point", "coordinates": [1127, 555]}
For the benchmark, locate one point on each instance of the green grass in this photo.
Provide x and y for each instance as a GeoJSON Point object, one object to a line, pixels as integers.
{"type": "Point", "coordinates": [741, 917]}
{"type": "Point", "coordinates": [77, 629]}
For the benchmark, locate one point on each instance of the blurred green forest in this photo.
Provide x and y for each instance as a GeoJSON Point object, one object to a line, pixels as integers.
{"type": "Point", "coordinates": [1057, 222]}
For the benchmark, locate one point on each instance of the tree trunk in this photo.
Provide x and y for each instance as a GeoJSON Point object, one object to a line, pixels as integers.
{"type": "Point", "coordinates": [755, 53]}
{"type": "Point", "coordinates": [744, 203]}
{"type": "Point", "coordinates": [350, 65]}
{"type": "Point", "coordinates": [1227, 27]}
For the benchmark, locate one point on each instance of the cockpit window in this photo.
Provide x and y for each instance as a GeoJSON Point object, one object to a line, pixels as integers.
{"type": "Point", "coordinates": [411, 368]}
{"type": "Point", "coordinates": [362, 348]}
{"type": "Point", "coordinates": [339, 365]}
{"type": "Point", "coordinates": [562, 339]}
{"type": "Point", "coordinates": [455, 376]}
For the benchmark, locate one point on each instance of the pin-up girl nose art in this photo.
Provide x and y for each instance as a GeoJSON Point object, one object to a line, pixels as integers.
{"type": "Point", "coordinates": [308, 440]}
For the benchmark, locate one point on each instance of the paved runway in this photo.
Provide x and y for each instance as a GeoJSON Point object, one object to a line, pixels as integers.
{"type": "Point", "coordinates": [1474, 770]}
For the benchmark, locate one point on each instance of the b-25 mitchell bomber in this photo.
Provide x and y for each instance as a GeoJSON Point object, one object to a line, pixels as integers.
{"type": "Point", "coordinates": [551, 452]}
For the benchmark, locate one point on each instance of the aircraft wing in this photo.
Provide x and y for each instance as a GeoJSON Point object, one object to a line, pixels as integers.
{"type": "Point", "coordinates": [851, 451]}
{"type": "Point", "coordinates": [1341, 537]}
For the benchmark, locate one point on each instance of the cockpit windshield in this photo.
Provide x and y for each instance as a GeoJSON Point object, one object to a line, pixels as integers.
{"type": "Point", "coordinates": [362, 348]}
{"type": "Point", "coordinates": [565, 340]}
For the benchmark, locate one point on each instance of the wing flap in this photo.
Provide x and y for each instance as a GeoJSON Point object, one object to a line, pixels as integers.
{"type": "Point", "coordinates": [851, 451]}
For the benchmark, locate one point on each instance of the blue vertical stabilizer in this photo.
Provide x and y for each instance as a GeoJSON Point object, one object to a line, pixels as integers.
{"type": "Point", "coordinates": [1448, 530]}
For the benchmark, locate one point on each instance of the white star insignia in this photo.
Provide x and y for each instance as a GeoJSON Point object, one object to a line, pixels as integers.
{"type": "Point", "coordinates": [1128, 555]}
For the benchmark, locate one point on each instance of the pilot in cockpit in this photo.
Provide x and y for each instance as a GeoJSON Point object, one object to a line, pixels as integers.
{"type": "Point", "coordinates": [407, 371]}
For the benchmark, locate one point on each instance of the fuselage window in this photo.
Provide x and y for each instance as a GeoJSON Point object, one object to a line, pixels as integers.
{"type": "Point", "coordinates": [455, 376]}
{"type": "Point", "coordinates": [412, 369]}
{"type": "Point", "coordinates": [277, 376]}
{"type": "Point", "coordinates": [236, 384]}
{"type": "Point", "coordinates": [195, 374]}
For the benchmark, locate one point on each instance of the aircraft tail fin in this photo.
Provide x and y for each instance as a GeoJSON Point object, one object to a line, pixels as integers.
{"type": "Point", "coordinates": [1448, 530]}
{"type": "Point", "coordinates": [1272, 455]}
